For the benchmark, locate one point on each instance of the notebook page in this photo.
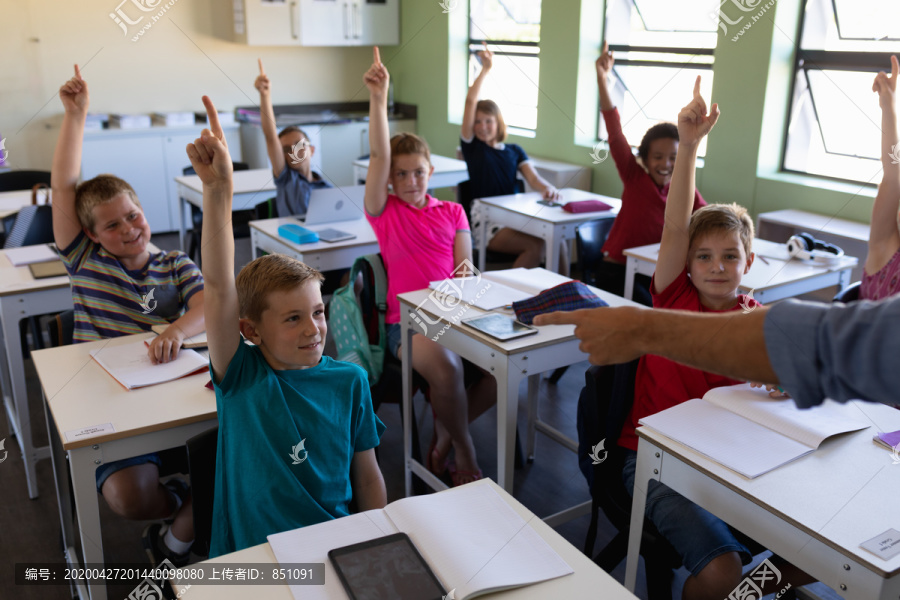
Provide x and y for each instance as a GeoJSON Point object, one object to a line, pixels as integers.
{"type": "Point", "coordinates": [534, 281]}
{"type": "Point", "coordinates": [311, 545]}
{"type": "Point", "coordinates": [130, 365]}
{"type": "Point", "coordinates": [731, 440]}
{"type": "Point", "coordinates": [486, 295]}
{"type": "Point", "coordinates": [809, 426]}
{"type": "Point", "coordinates": [27, 255]}
{"type": "Point", "coordinates": [474, 541]}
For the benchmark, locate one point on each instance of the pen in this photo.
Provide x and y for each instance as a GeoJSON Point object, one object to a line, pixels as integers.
{"type": "Point", "coordinates": [763, 258]}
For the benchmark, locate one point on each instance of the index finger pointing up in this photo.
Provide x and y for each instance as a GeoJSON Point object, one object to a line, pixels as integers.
{"type": "Point", "coordinates": [894, 67]}
{"type": "Point", "coordinates": [377, 56]}
{"type": "Point", "coordinates": [77, 72]}
{"type": "Point", "coordinates": [213, 118]}
{"type": "Point", "coordinates": [697, 95]}
{"type": "Point", "coordinates": [262, 71]}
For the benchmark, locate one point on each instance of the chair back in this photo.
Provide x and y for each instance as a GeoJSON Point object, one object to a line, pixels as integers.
{"type": "Point", "coordinates": [849, 293]}
{"type": "Point", "coordinates": [61, 328]}
{"type": "Point", "coordinates": [589, 240]}
{"type": "Point", "coordinates": [22, 180]}
{"type": "Point", "coordinates": [33, 225]}
{"type": "Point", "coordinates": [201, 457]}
{"type": "Point", "coordinates": [464, 195]}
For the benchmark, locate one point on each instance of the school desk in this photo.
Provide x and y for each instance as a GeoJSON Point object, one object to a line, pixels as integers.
{"type": "Point", "coordinates": [509, 362]}
{"type": "Point", "coordinates": [813, 512]}
{"type": "Point", "coordinates": [773, 276]}
{"type": "Point", "coordinates": [79, 396]}
{"type": "Point", "coordinates": [448, 172]}
{"type": "Point", "coordinates": [587, 581]}
{"type": "Point", "coordinates": [550, 223]}
{"type": "Point", "coordinates": [250, 188]}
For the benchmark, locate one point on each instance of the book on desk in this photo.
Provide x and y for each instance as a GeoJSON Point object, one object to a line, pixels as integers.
{"type": "Point", "coordinates": [496, 289]}
{"type": "Point", "coordinates": [130, 365]}
{"type": "Point", "coordinates": [471, 538]}
{"type": "Point", "coordinates": [742, 428]}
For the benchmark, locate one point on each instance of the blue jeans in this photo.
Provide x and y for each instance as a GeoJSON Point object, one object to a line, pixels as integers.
{"type": "Point", "coordinates": [107, 469]}
{"type": "Point", "coordinates": [392, 332]}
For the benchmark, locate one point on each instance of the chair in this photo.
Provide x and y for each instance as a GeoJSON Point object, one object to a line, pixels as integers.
{"type": "Point", "coordinates": [22, 180]}
{"type": "Point", "coordinates": [33, 225]}
{"type": "Point", "coordinates": [239, 219]}
{"type": "Point", "coordinates": [201, 458]}
{"type": "Point", "coordinates": [464, 194]}
{"type": "Point", "coordinates": [849, 293]}
{"type": "Point", "coordinates": [61, 328]}
{"type": "Point", "coordinates": [589, 240]}
{"type": "Point", "coordinates": [609, 393]}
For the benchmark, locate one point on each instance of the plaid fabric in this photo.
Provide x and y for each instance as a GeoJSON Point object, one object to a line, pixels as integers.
{"type": "Point", "coordinates": [571, 295]}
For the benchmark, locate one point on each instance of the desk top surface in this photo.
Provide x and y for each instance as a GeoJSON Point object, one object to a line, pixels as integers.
{"type": "Point", "coordinates": [245, 182]}
{"type": "Point", "coordinates": [815, 223]}
{"type": "Point", "coordinates": [81, 394]}
{"type": "Point", "coordinates": [441, 164]}
{"type": "Point", "coordinates": [527, 204]}
{"type": "Point", "coordinates": [780, 270]}
{"type": "Point", "coordinates": [587, 580]}
{"type": "Point", "coordinates": [359, 227]}
{"type": "Point", "coordinates": [843, 494]}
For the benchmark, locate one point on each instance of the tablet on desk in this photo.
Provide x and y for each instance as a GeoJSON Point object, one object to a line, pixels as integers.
{"type": "Point", "coordinates": [500, 326]}
{"type": "Point", "coordinates": [334, 235]}
{"type": "Point", "coordinates": [43, 270]}
{"type": "Point", "coordinates": [388, 568]}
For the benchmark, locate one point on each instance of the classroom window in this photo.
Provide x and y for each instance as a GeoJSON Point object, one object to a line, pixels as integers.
{"type": "Point", "coordinates": [512, 29]}
{"type": "Point", "coordinates": [834, 129]}
{"type": "Point", "coordinates": [660, 47]}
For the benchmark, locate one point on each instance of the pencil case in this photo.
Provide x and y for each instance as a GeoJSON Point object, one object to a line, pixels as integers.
{"type": "Point", "coordinates": [297, 234]}
{"type": "Point", "coordinates": [581, 206]}
{"type": "Point", "coordinates": [572, 295]}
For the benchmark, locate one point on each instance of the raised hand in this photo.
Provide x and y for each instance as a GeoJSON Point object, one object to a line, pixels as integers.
{"type": "Point", "coordinates": [486, 57]}
{"type": "Point", "coordinates": [74, 94]}
{"type": "Point", "coordinates": [693, 121]}
{"type": "Point", "coordinates": [262, 82]}
{"type": "Point", "coordinates": [209, 152]}
{"type": "Point", "coordinates": [377, 77]}
{"type": "Point", "coordinates": [605, 63]}
{"type": "Point", "coordinates": [886, 85]}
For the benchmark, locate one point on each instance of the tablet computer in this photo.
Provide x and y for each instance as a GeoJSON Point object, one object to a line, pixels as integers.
{"type": "Point", "coordinates": [386, 568]}
{"type": "Point", "coordinates": [500, 326]}
{"type": "Point", "coordinates": [334, 235]}
{"type": "Point", "coordinates": [54, 268]}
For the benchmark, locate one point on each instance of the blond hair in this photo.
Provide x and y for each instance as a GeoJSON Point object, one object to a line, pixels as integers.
{"type": "Point", "coordinates": [267, 274]}
{"type": "Point", "coordinates": [491, 108]}
{"type": "Point", "coordinates": [409, 143]}
{"type": "Point", "coordinates": [722, 217]}
{"type": "Point", "coordinates": [99, 190]}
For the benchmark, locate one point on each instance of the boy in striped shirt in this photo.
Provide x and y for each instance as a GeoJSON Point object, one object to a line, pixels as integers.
{"type": "Point", "coordinates": [119, 288]}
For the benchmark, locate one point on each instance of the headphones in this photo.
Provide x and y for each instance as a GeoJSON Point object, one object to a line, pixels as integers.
{"type": "Point", "coordinates": [805, 247]}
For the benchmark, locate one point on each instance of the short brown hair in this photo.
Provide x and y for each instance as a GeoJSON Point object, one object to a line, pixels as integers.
{"type": "Point", "coordinates": [409, 143]}
{"type": "Point", "coordinates": [99, 190]}
{"type": "Point", "coordinates": [722, 217]}
{"type": "Point", "coordinates": [267, 274]}
{"type": "Point", "coordinates": [292, 129]}
{"type": "Point", "coordinates": [660, 131]}
{"type": "Point", "coordinates": [489, 107]}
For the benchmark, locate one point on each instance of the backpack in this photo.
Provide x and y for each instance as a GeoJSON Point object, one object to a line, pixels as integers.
{"type": "Point", "coordinates": [357, 325]}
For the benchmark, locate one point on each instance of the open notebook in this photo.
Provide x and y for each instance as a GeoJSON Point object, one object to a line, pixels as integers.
{"type": "Point", "coordinates": [496, 289]}
{"type": "Point", "coordinates": [196, 341]}
{"type": "Point", "coordinates": [130, 365]}
{"type": "Point", "coordinates": [745, 430]}
{"type": "Point", "coordinates": [470, 537]}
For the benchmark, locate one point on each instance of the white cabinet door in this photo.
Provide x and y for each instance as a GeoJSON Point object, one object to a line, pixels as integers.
{"type": "Point", "coordinates": [377, 22]}
{"type": "Point", "coordinates": [137, 159]}
{"type": "Point", "coordinates": [341, 145]}
{"type": "Point", "coordinates": [267, 22]}
{"type": "Point", "coordinates": [326, 23]}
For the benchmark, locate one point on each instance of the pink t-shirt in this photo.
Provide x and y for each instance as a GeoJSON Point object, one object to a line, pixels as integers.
{"type": "Point", "coordinates": [884, 283]}
{"type": "Point", "coordinates": [416, 245]}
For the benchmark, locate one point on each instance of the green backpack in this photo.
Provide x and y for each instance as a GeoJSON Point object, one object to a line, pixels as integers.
{"type": "Point", "coordinates": [353, 323]}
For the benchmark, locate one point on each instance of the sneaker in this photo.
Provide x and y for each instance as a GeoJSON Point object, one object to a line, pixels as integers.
{"type": "Point", "coordinates": [180, 488]}
{"type": "Point", "coordinates": [156, 549]}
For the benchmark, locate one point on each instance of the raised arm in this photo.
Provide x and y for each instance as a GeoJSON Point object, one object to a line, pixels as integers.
{"type": "Point", "coordinates": [693, 124]}
{"type": "Point", "coordinates": [210, 158]}
{"type": "Point", "coordinates": [604, 66]}
{"type": "Point", "coordinates": [376, 79]}
{"type": "Point", "coordinates": [467, 131]}
{"type": "Point", "coordinates": [67, 159]}
{"type": "Point", "coordinates": [267, 120]}
{"type": "Point", "coordinates": [884, 232]}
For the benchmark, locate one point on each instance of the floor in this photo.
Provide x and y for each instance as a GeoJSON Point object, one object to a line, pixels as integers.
{"type": "Point", "coordinates": [30, 528]}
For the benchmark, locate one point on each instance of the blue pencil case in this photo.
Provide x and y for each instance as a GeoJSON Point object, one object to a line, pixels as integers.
{"type": "Point", "coordinates": [297, 234]}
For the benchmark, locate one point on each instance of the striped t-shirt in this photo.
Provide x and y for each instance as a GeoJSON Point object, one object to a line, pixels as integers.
{"type": "Point", "coordinates": [111, 301]}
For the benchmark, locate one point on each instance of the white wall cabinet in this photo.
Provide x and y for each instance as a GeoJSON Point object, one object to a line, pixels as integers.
{"type": "Point", "coordinates": [149, 160]}
{"type": "Point", "coordinates": [317, 22]}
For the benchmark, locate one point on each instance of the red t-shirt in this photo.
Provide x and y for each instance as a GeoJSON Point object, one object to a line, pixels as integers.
{"type": "Point", "coordinates": [640, 220]}
{"type": "Point", "coordinates": [661, 383]}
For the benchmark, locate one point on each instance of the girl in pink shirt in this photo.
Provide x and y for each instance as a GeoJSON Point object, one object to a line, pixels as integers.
{"type": "Point", "coordinates": [422, 239]}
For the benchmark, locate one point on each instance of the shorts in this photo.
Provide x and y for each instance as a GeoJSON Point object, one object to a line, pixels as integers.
{"type": "Point", "coordinates": [696, 534]}
{"type": "Point", "coordinates": [107, 469]}
{"type": "Point", "coordinates": [392, 332]}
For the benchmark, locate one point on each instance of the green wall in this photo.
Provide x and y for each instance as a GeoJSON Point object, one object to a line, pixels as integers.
{"type": "Point", "coordinates": [751, 85]}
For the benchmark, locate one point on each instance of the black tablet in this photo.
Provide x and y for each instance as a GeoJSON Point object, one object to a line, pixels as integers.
{"type": "Point", "coordinates": [500, 326]}
{"type": "Point", "coordinates": [386, 568]}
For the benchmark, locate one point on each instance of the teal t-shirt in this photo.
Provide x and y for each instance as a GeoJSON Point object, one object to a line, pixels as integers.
{"type": "Point", "coordinates": [286, 441]}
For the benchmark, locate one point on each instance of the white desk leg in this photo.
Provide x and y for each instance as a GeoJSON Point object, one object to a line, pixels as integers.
{"type": "Point", "coordinates": [845, 278]}
{"type": "Point", "coordinates": [482, 240]}
{"type": "Point", "coordinates": [182, 205]}
{"type": "Point", "coordinates": [534, 382]}
{"type": "Point", "coordinates": [630, 274]}
{"type": "Point", "coordinates": [551, 251]}
{"type": "Point", "coordinates": [407, 374]}
{"type": "Point", "coordinates": [254, 235]}
{"type": "Point", "coordinates": [17, 401]}
{"type": "Point", "coordinates": [507, 408]}
{"type": "Point", "coordinates": [87, 505]}
{"type": "Point", "coordinates": [649, 466]}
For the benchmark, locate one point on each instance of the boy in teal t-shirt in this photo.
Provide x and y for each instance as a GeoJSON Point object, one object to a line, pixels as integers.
{"type": "Point", "coordinates": [297, 430]}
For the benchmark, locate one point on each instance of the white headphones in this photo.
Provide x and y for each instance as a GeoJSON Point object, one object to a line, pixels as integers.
{"type": "Point", "coordinates": [805, 247]}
